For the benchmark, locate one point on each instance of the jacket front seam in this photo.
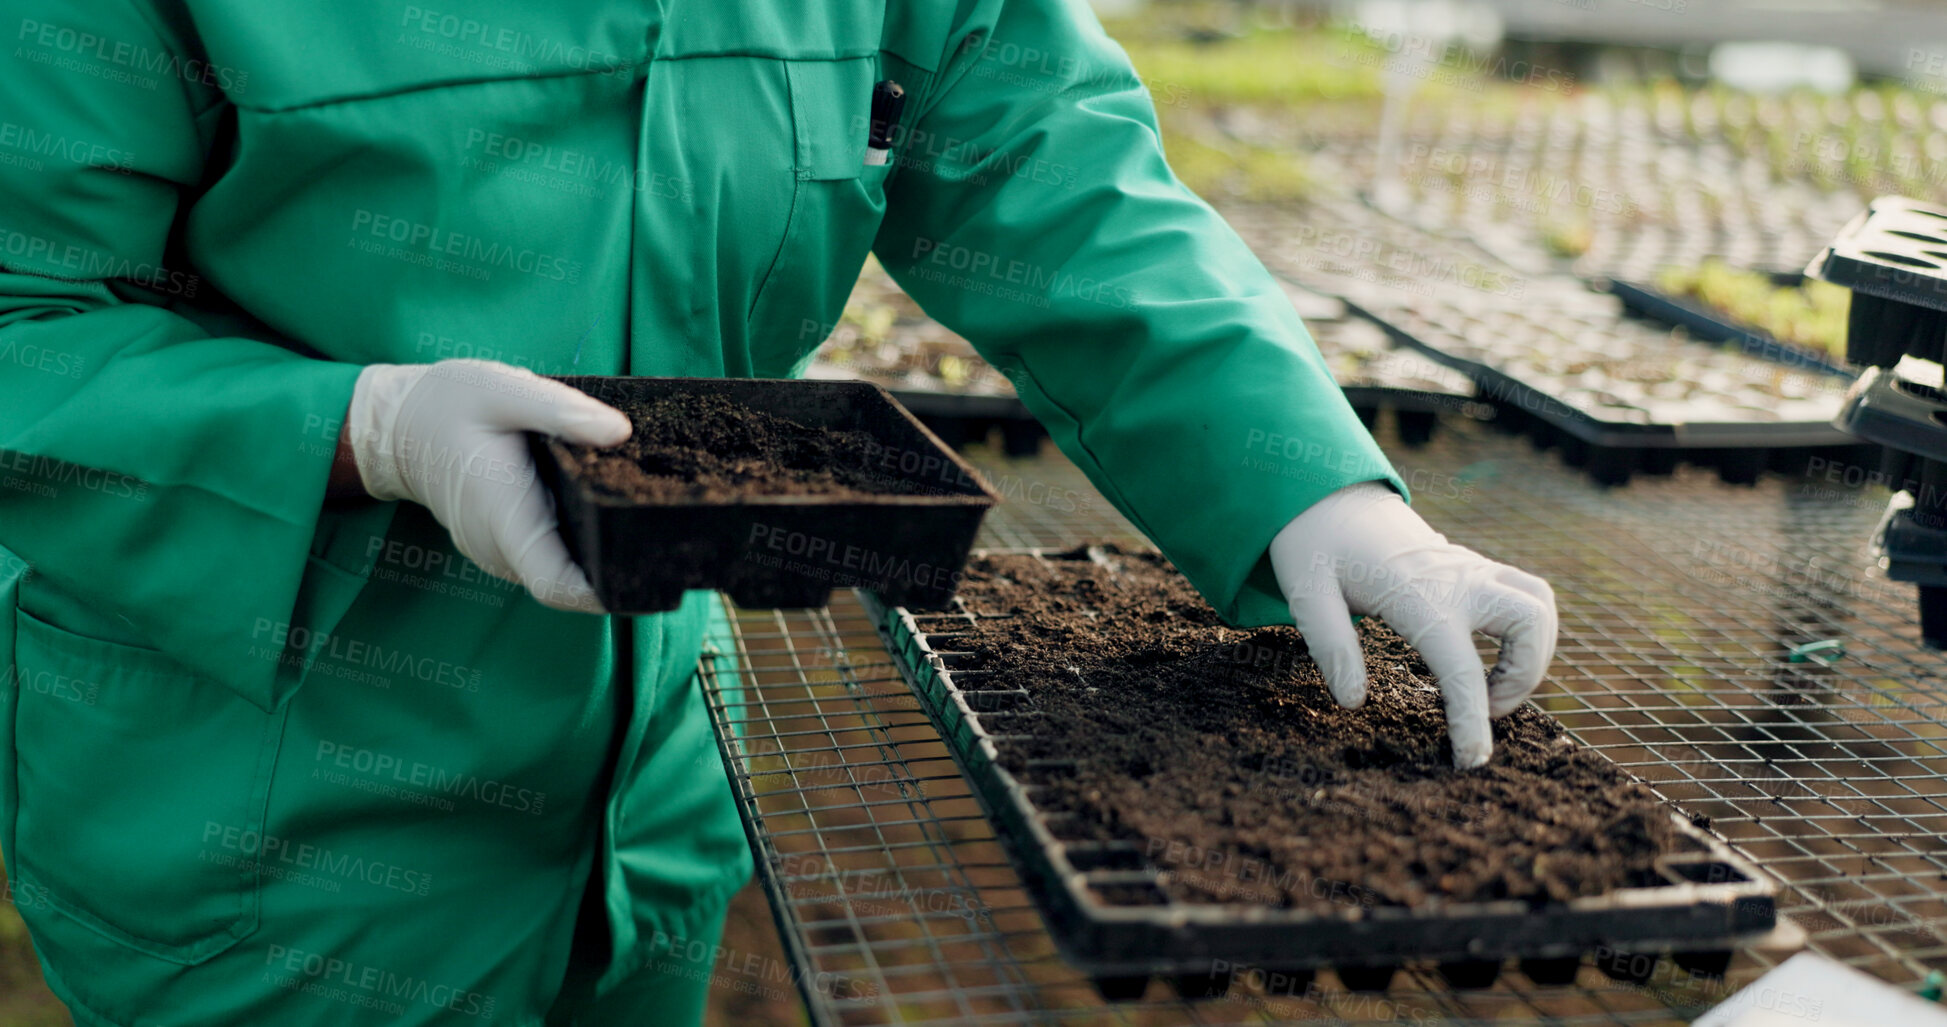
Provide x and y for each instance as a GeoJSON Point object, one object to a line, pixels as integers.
{"type": "Point", "coordinates": [427, 87]}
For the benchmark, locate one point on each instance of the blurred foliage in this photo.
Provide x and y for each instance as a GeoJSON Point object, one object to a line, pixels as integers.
{"type": "Point", "coordinates": [1197, 58]}
{"type": "Point", "coordinates": [1274, 66]}
{"type": "Point", "coordinates": [1812, 314]}
{"type": "Point", "coordinates": [24, 1000]}
{"type": "Point", "coordinates": [1226, 169]}
{"type": "Point", "coordinates": [1877, 138]}
{"type": "Point", "coordinates": [1568, 238]}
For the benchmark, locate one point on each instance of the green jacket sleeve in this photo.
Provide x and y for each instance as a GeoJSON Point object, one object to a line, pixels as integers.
{"type": "Point", "coordinates": [1032, 212]}
{"type": "Point", "coordinates": [166, 479]}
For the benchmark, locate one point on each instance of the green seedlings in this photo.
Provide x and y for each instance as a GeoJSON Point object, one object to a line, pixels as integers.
{"type": "Point", "coordinates": [1812, 315]}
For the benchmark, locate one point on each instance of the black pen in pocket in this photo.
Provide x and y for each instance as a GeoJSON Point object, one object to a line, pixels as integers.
{"type": "Point", "coordinates": [888, 101]}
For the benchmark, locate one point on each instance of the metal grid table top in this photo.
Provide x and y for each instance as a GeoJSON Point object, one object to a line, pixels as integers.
{"type": "Point", "coordinates": [1687, 607]}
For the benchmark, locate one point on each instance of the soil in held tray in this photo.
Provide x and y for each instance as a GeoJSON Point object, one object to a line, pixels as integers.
{"type": "Point", "coordinates": [1222, 757]}
{"type": "Point", "coordinates": [703, 447]}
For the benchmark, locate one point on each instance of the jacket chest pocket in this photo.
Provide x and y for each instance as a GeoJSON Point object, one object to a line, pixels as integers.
{"type": "Point", "coordinates": [837, 203]}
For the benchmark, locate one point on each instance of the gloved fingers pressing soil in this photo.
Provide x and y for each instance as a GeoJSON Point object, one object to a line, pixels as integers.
{"type": "Point", "coordinates": [1362, 550]}
{"type": "Point", "coordinates": [1525, 621]}
{"type": "Point", "coordinates": [1447, 646]}
{"type": "Point", "coordinates": [1321, 616]}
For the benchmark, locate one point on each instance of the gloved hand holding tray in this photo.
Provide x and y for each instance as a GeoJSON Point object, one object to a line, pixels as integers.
{"type": "Point", "coordinates": [1187, 799]}
{"type": "Point", "coordinates": [773, 491]}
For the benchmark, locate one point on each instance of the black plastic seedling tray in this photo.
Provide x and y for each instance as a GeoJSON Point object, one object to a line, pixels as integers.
{"type": "Point", "coordinates": [1711, 900]}
{"type": "Point", "coordinates": [964, 418]}
{"type": "Point", "coordinates": [1416, 414]}
{"type": "Point", "coordinates": [1896, 250]}
{"type": "Point", "coordinates": [1710, 326]}
{"type": "Point", "coordinates": [1395, 379]}
{"type": "Point", "coordinates": [777, 551]}
{"type": "Point", "coordinates": [1909, 419]}
{"type": "Point", "coordinates": [1612, 450]}
{"type": "Point", "coordinates": [1894, 259]}
{"type": "Point", "coordinates": [960, 416]}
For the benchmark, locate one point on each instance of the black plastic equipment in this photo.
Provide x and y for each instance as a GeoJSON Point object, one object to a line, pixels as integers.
{"type": "Point", "coordinates": [1710, 900]}
{"type": "Point", "coordinates": [783, 550]}
{"type": "Point", "coordinates": [1613, 442]}
{"type": "Point", "coordinates": [1894, 259]}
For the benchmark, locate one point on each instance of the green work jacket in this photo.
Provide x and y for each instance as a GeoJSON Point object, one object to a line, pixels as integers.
{"type": "Point", "coordinates": [240, 722]}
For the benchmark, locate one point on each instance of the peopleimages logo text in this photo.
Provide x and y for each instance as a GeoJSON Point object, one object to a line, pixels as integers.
{"type": "Point", "coordinates": [124, 54]}
{"type": "Point", "coordinates": [434, 240]}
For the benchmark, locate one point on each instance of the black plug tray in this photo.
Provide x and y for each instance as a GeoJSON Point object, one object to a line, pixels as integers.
{"type": "Point", "coordinates": [1710, 899]}
{"type": "Point", "coordinates": [777, 551]}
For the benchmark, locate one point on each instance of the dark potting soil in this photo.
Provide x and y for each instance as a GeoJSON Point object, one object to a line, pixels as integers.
{"type": "Point", "coordinates": [701, 447]}
{"type": "Point", "coordinates": [1222, 757]}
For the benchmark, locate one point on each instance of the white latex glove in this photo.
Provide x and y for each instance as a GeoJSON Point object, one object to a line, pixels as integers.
{"type": "Point", "coordinates": [1363, 550]}
{"type": "Point", "coordinates": [448, 436]}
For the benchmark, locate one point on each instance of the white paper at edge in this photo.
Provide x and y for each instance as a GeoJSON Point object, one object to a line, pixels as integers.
{"type": "Point", "coordinates": [1810, 989]}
